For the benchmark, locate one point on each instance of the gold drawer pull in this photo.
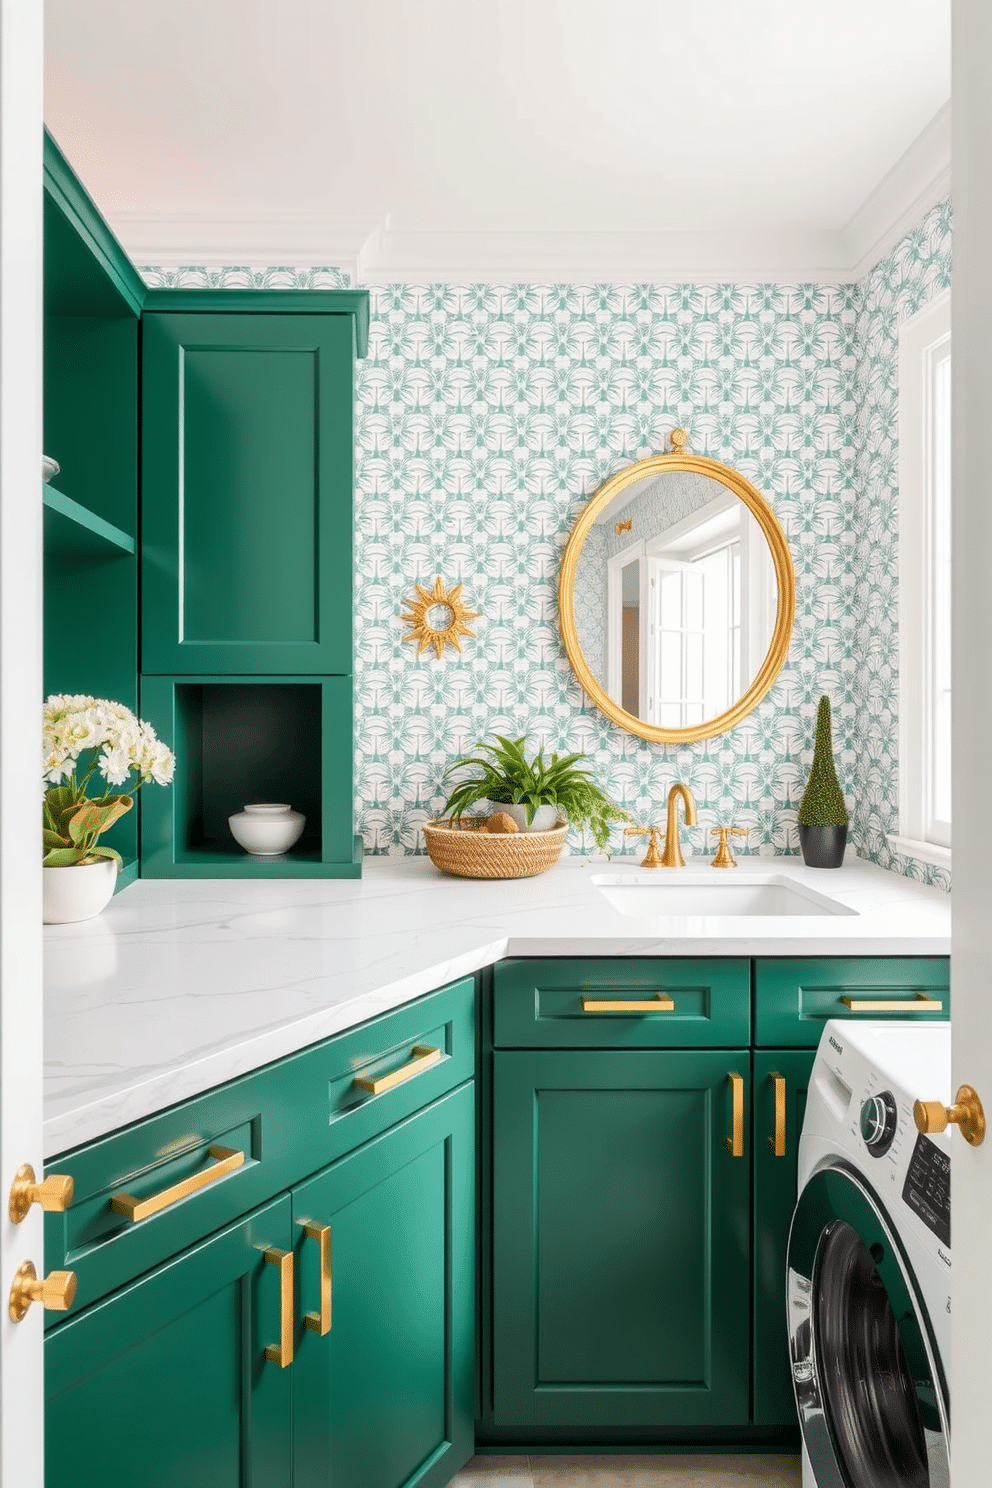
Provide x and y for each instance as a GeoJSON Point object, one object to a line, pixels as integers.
{"type": "Point", "coordinates": [776, 1144]}
{"type": "Point", "coordinates": [659, 1003]}
{"type": "Point", "coordinates": [735, 1143]}
{"type": "Point", "coordinates": [134, 1209]}
{"type": "Point", "coordinates": [281, 1353]}
{"type": "Point", "coordinates": [921, 1003]}
{"type": "Point", "coordinates": [424, 1057]}
{"type": "Point", "coordinates": [320, 1322]}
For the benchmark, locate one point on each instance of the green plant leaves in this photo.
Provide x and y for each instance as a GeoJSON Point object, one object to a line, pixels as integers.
{"type": "Point", "coordinates": [93, 817]}
{"type": "Point", "coordinates": [509, 778]}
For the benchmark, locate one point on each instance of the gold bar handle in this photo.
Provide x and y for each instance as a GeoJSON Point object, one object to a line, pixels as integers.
{"type": "Point", "coordinates": [320, 1322]}
{"type": "Point", "coordinates": [660, 1003]}
{"type": "Point", "coordinates": [921, 1003]}
{"type": "Point", "coordinates": [281, 1353]}
{"type": "Point", "coordinates": [424, 1058]}
{"type": "Point", "coordinates": [735, 1144]}
{"type": "Point", "coordinates": [776, 1144]}
{"type": "Point", "coordinates": [134, 1209]}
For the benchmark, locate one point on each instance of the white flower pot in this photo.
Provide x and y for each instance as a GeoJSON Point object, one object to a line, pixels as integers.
{"type": "Point", "coordinates": [78, 892]}
{"type": "Point", "coordinates": [545, 817]}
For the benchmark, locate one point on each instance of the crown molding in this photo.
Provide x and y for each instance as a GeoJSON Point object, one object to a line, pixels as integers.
{"type": "Point", "coordinates": [369, 249]}
{"type": "Point", "coordinates": [919, 179]}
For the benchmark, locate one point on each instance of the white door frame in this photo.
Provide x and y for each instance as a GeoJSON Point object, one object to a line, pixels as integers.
{"type": "Point", "coordinates": [971, 965]}
{"type": "Point", "coordinates": [21, 70]}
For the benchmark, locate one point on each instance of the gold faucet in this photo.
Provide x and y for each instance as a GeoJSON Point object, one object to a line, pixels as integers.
{"type": "Point", "coordinates": [671, 857]}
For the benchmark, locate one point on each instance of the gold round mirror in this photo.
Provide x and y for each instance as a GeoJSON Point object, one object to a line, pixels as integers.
{"type": "Point", "coordinates": [677, 597]}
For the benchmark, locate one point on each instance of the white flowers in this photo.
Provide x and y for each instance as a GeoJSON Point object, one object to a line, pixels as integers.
{"type": "Point", "coordinates": [73, 723]}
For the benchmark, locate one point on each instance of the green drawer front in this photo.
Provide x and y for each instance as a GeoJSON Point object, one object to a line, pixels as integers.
{"type": "Point", "coordinates": [334, 1114]}
{"type": "Point", "coordinates": [550, 1004]}
{"type": "Point", "coordinates": [793, 998]}
{"type": "Point", "coordinates": [288, 1119]}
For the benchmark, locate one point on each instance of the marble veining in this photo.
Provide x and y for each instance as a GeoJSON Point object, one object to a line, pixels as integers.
{"type": "Point", "coordinates": [179, 986]}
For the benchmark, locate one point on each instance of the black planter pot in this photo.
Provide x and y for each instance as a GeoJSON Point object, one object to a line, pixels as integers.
{"type": "Point", "coordinates": [823, 847]}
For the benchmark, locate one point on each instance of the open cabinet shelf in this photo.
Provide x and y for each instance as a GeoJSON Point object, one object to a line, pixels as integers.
{"type": "Point", "coordinates": [241, 740]}
{"type": "Point", "coordinates": [72, 529]}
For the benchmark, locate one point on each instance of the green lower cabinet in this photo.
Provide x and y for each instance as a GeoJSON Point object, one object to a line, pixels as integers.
{"type": "Point", "coordinates": [621, 1246]}
{"type": "Point", "coordinates": [166, 1382]}
{"type": "Point", "coordinates": [385, 1398]}
{"type": "Point", "coordinates": [781, 1079]}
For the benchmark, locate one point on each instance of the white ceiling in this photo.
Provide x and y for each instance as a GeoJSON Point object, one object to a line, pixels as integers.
{"type": "Point", "coordinates": [507, 138]}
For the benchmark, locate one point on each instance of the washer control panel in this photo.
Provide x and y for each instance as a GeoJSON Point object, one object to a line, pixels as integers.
{"type": "Point", "coordinates": [879, 1122]}
{"type": "Point", "coordinates": [927, 1189]}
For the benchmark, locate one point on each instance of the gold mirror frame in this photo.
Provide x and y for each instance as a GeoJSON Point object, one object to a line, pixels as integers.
{"type": "Point", "coordinates": [778, 650]}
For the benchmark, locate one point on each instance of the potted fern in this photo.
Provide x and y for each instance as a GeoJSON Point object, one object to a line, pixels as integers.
{"type": "Point", "coordinates": [535, 793]}
{"type": "Point", "coordinates": [823, 816]}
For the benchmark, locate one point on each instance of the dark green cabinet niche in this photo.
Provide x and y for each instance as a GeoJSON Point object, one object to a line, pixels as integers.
{"type": "Point", "coordinates": [247, 492]}
{"type": "Point", "coordinates": [621, 1286]}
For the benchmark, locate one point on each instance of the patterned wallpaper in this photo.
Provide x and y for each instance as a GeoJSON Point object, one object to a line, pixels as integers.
{"type": "Point", "coordinates": [488, 414]}
{"type": "Point", "coordinates": [918, 268]}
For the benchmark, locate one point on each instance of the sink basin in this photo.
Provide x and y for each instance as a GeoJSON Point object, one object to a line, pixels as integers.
{"type": "Point", "coordinates": [676, 892]}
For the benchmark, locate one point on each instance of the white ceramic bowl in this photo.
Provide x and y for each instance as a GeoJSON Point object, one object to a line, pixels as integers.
{"type": "Point", "coordinates": [267, 829]}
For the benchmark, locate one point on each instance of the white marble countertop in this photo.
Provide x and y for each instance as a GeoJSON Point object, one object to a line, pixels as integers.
{"type": "Point", "coordinates": [179, 986]}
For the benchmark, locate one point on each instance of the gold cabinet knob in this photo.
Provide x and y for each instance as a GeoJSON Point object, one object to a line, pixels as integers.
{"type": "Point", "coordinates": [56, 1292]}
{"type": "Point", "coordinates": [54, 1194]}
{"type": "Point", "coordinates": [967, 1113]}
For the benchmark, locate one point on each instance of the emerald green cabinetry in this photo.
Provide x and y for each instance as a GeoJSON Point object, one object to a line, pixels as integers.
{"type": "Point", "coordinates": [166, 1382]}
{"type": "Point", "coordinates": [240, 406]}
{"type": "Point", "coordinates": [781, 1079]}
{"type": "Point", "coordinates": [621, 1272]}
{"type": "Point", "coordinates": [247, 492]}
{"type": "Point", "coordinates": [92, 308]}
{"type": "Point", "coordinates": [386, 1397]}
{"type": "Point", "coordinates": [359, 1277]}
{"type": "Point", "coordinates": [636, 1279]}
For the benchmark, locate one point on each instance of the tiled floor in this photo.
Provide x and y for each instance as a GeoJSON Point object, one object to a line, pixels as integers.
{"type": "Point", "coordinates": [630, 1472]}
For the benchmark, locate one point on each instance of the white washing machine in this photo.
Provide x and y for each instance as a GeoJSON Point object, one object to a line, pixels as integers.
{"type": "Point", "coordinates": [869, 1270]}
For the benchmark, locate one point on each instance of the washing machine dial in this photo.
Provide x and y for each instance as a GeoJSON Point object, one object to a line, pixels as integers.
{"type": "Point", "coordinates": [879, 1119]}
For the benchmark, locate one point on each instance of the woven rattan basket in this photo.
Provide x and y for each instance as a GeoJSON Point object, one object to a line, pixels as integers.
{"type": "Point", "coordinates": [465, 848]}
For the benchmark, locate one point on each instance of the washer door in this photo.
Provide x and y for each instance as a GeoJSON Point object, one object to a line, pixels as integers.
{"type": "Point", "coordinates": [869, 1390]}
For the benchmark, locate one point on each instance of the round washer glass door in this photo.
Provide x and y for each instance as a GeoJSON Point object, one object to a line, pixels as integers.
{"type": "Point", "coordinates": [871, 1397]}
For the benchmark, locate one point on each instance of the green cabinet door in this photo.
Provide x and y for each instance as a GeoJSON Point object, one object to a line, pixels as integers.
{"type": "Point", "coordinates": [781, 1079]}
{"type": "Point", "coordinates": [385, 1398]}
{"type": "Point", "coordinates": [166, 1382]}
{"type": "Point", "coordinates": [621, 1254]}
{"type": "Point", "coordinates": [247, 484]}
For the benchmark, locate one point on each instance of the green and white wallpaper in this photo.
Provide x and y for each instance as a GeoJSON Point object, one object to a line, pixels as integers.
{"type": "Point", "coordinates": [488, 414]}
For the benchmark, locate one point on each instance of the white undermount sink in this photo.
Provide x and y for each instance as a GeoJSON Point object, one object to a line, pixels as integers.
{"type": "Point", "coordinates": [677, 891]}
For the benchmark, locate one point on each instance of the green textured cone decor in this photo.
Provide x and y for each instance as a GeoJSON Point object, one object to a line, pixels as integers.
{"type": "Point", "coordinates": [823, 816]}
{"type": "Point", "coordinates": [823, 803]}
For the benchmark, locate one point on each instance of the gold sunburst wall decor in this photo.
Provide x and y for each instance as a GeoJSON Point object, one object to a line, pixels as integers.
{"type": "Point", "coordinates": [423, 632]}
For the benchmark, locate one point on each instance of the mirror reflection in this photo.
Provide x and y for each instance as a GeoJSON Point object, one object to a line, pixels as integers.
{"type": "Point", "coordinates": [675, 599]}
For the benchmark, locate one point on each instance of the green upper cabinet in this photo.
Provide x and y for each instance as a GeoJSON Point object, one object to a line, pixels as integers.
{"type": "Point", "coordinates": [621, 1262]}
{"type": "Point", "coordinates": [247, 476]}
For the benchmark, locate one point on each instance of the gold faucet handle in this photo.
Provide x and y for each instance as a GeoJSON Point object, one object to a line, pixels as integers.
{"type": "Point", "coordinates": [652, 858]}
{"type": "Point", "coordinates": [723, 857]}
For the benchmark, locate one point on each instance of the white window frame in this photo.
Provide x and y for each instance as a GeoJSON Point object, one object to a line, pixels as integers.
{"type": "Point", "coordinates": [924, 343]}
